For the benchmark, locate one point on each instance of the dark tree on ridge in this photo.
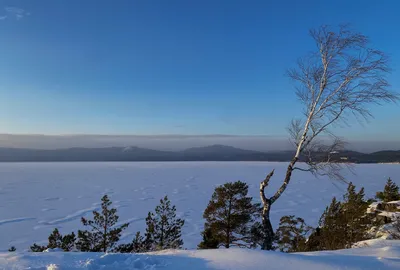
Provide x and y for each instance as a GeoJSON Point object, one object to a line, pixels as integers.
{"type": "Point", "coordinates": [230, 218]}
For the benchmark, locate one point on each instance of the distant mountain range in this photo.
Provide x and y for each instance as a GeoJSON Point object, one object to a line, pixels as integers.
{"type": "Point", "coordinates": [208, 153]}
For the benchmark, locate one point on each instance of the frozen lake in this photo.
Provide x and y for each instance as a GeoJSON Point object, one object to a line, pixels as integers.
{"type": "Point", "coordinates": [37, 197]}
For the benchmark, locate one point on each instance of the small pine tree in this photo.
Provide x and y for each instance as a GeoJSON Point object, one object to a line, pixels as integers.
{"type": "Point", "coordinates": [389, 193]}
{"type": "Point", "coordinates": [354, 210]}
{"type": "Point", "coordinates": [344, 223]}
{"type": "Point", "coordinates": [331, 227]}
{"type": "Point", "coordinates": [56, 240]}
{"type": "Point", "coordinates": [291, 234]}
{"type": "Point", "coordinates": [231, 217]}
{"type": "Point", "coordinates": [12, 249]}
{"type": "Point", "coordinates": [66, 242]}
{"type": "Point", "coordinates": [37, 248]}
{"type": "Point", "coordinates": [257, 234]}
{"type": "Point", "coordinates": [164, 230]}
{"type": "Point", "coordinates": [138, 245]}
{"type": "Point", "coordinates": [314, 240]}
{"type": "Point", "coordinates": [103, 234]}
{"type": "Point", "coordinates": [123, 248]}
{"type": "Point", "coordinates": [210, 241]}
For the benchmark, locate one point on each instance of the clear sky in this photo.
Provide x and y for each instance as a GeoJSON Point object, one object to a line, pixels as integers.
{"type": "Point", "coordinates": [172, 67]}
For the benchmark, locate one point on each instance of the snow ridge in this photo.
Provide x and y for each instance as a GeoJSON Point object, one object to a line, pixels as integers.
{"type": "Point", "coordinates": [378, 255]}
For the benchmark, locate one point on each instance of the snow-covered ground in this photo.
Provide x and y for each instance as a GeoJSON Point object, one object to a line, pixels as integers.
{"type": "Point", "coordinates": [369, 258]}
{"type": "Point", "coordinates": [37, 197]}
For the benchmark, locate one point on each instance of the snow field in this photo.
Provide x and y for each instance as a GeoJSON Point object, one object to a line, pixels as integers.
{"type": "Point", "coordinates": [369, 258]}
{"type": "Point", "coordinates": [37, 197]}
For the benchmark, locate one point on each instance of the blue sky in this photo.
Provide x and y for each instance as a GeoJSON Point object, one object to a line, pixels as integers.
{"type": "Point", "coordinates": [172, 67]}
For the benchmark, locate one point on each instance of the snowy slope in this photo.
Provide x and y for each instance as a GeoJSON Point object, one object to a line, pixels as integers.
{"type": "Point", "coordinates": [37, 197]}
{"type": "Point", "coordinates": [374, 258]}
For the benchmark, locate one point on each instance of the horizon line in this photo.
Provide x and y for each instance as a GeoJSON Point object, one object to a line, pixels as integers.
{"type": "Point", "coordinates": [173, 135]}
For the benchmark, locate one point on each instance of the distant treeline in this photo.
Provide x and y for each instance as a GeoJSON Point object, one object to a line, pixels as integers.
{"type": "Point", "coordinates": [208, 153]}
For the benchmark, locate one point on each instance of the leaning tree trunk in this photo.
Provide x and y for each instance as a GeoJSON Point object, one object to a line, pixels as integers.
{"type": "Point", "coordinates": [266, 222]}
{"type": "Point", "coordinates": [267, 228]}
{"type": "Point", "coordinates": [267, 203]}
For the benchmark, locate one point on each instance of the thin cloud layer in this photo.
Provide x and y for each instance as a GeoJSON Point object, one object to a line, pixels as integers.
{"type": "Point", "coordinates": [14, 12]}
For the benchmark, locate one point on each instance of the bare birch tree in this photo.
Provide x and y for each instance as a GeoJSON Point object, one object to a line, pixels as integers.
{"type": "Point", "coordinates": [340, 79]}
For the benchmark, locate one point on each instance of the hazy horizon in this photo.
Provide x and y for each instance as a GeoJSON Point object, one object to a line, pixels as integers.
{"type": "Point", "coordinates": [173, 142]}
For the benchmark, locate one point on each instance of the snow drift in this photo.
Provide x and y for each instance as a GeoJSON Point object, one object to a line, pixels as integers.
{"type": "Point", "coordinates": [374, 255]}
